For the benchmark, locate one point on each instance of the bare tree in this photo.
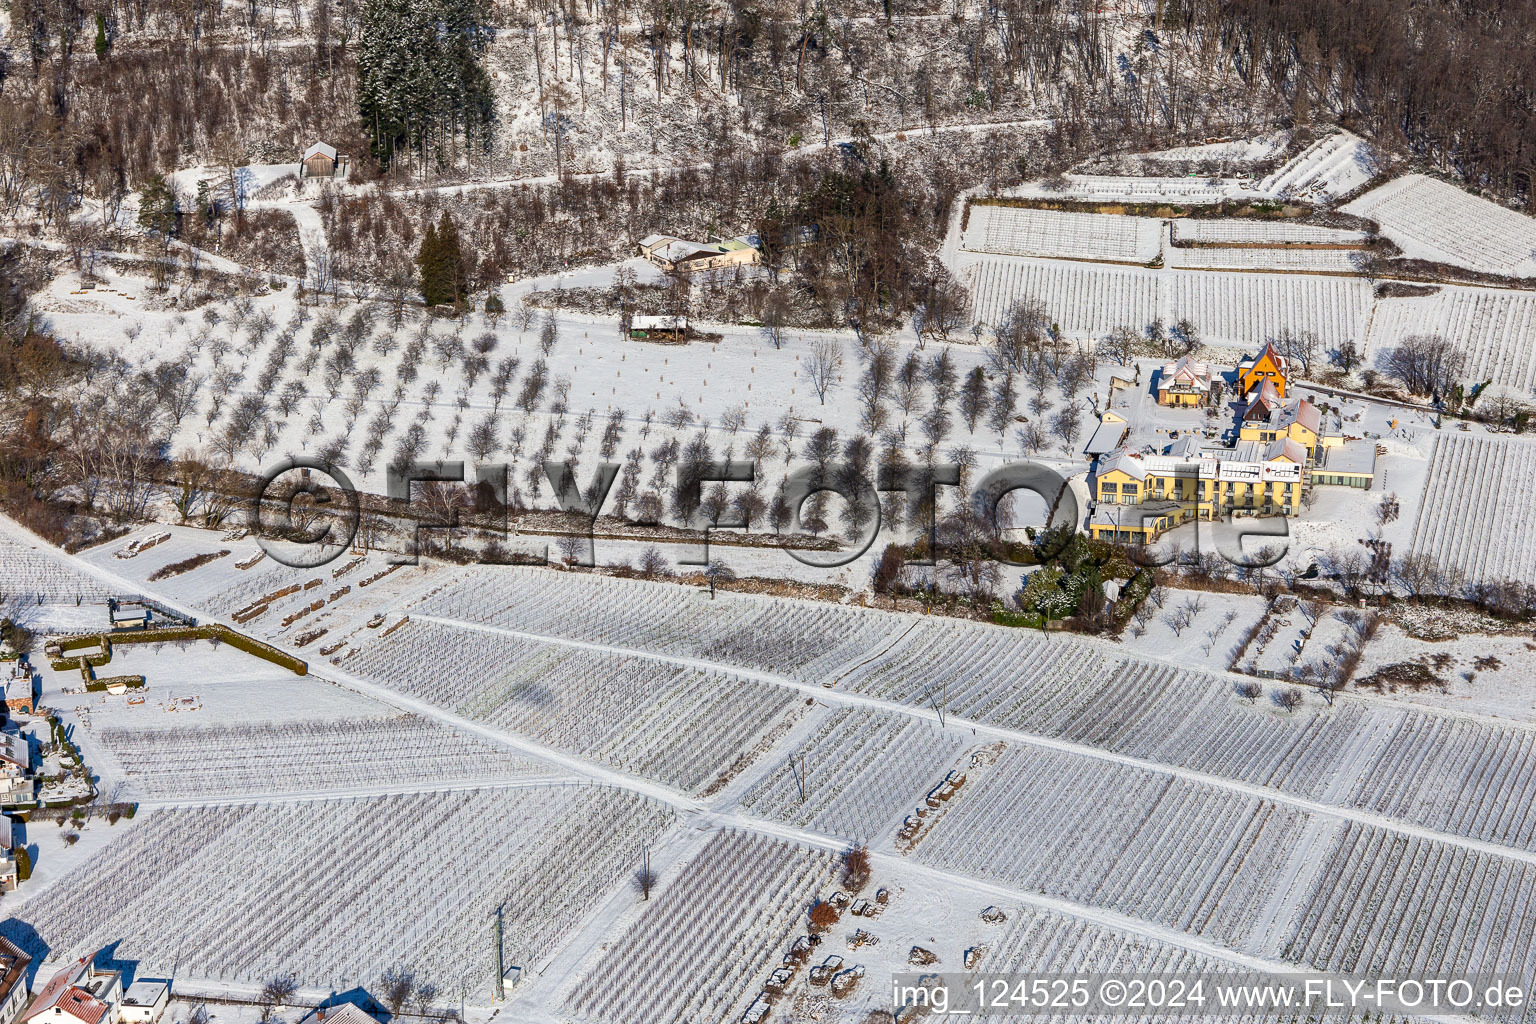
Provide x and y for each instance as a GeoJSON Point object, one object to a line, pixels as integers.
{"type": "Point", "coordinates": [1427, 364]}
{"type": "Point", "coordinates": [1287, 699]}
{"type": "Point", "coordinates": [276, 993]}
{"type": "Point", "coordinates": [823, 366]}
{"type": "Point", "coordinates": [645, 878]}
{"type": "Point", "coordinates": [396, 986]}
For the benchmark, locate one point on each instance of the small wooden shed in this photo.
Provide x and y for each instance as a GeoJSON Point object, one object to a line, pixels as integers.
{"type": "Point", "coordinates": [319, 161]}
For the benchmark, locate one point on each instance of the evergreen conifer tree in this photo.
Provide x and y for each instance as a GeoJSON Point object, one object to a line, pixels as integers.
{"type": "Point", "coordinates": [455, 278]}
{"type": "Point", "coordinates": [430, 262]}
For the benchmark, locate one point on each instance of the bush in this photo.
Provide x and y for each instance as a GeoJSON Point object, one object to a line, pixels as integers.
{"type": "Point", "coordinates": [23, 864]}
{"type": "Point", "coordinates": [856, 867]}
{"type": "Point", "coordinates": [102, 684]}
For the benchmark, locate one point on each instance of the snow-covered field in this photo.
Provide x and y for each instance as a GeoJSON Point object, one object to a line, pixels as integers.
{"type": "Point", "coordinates": [330, 889]}
{"type": "Point", "coordinates": [1327, 170]}
{"type": "Point", "coordinates": [1216, 231]}
{"type": "Point", "coordinates": [530, 737]}
{"type": "Point", "coordinates": [1495, 329]}
{"type": "Point", "coordinates": [1476, 508]}
{"type": "Point", "coordinates": [1433, 220]}
{"type": "Point", "coordinates": [1243, 310]}
{"type": "Point", "coordinates": [1086, 236]}
{"type": "Point", "coordinates": [491, 739]}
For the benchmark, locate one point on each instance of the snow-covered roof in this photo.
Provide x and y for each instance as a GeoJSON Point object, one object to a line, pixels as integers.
{"type": "Point", "coordinates": [341, 1013]}
{"type": "Point", "coordinates": [1295, 410]}
{"type": "Point", "coordinates": [1266, 401]}
{"type": "Point", "coordinates": [1353, 457]}
{"type": "Point", "coordinates": [681, 250]}
{"type": "Point", "coordinates": [320, 149]}
{"type": "Point", "coordinates": [145, 993]}
{"type": "Point", "coordinates": [1274, 354]}
{"type": "Point", "coordinates": [1107, 437]}
{"type": "Point", "coordinates": [658, 323]}
{"type": "Point", "coordinates": [1187, 371]}
{"type": "Point", "coordinates": [1285, 448]}
{"type": "Point", "coordinates": [1127, 462]}
{"type": "Point", "coordinates": [650, 241]}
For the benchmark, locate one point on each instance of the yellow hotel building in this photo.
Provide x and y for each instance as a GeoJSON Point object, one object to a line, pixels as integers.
{"type": "Point", "coordinates": [1141, 496]}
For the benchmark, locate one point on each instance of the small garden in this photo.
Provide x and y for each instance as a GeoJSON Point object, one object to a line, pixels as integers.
{"type": "Point", "coordinates": [1069, 587]}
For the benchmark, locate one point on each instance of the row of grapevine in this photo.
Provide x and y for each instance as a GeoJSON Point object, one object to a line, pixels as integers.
{"type": "Point", "coordinates": [1495, 330]}
{"type": "Point", "coordinates": [1236, 231]}
{"type": "Point", "coordinates": [1014, 231]}
{"type": "Point", "coordinates": [1192, 720]}
{"type": "Point", "coordinates": [801, 639]}
{"type": "Point", "coordinates": [339, 890]}
{"type": "Point", "coordinates": [1472, 517]}
{"type": "Point", "coordinates": [1301, 261]}
{"type": "Point", "coordinates": [1248, 310]}
{"type": "Point", "coordinates": [688, 728]}
{"type": "Point", "coordinates": [1433, 219]}
{"type": "Point", "coordinates": [305, 756]}
{"type": "Point", "coordinates": [1059, 687]}
{"type": "Point", "coordinates": [1148, 845]}
{"type": "Point", "coordinates": [857, 774]}
{"type": "Point", "coordinates": [30, 574]}
{"type": "Point", "coordinates": [1392, 905]}
{"type": "Point", "coordinates": [1082, 300]}
{"type": "Point", "coordinates": [1040, 942]}
{"type": "Point", "coordinates": [1491, 773]}
{"type": "Point", "coordinates": [1239, 309]}
{"type": "Point", "coordinates": [699, 953]}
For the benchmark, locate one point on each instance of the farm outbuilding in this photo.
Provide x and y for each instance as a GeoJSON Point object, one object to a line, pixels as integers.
{"type": "Point", "coordinates": [658, 328]}
{"type": "Point", "coordinates": [321, 161]}
{"type": "Point", "coordinates": [672, 253]}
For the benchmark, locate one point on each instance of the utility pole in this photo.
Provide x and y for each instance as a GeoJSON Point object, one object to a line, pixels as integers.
{"type": "Point", "coordinates": [498, 984]}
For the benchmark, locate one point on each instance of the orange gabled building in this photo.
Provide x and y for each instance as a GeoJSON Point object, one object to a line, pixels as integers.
{"type": "Point", "coordinates": [1268, 366]}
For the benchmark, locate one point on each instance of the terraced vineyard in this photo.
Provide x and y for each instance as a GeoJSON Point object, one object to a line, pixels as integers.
{"type": "Point", "coordinates": [1233, 231]}
{"type": "Point", "coordinates": [1473, 515]}
{"type": "Point", "coordinates": [1248, 310]}
{"type": "Point", "coordinates": [688, 728]}
{"type": "Point", "coordinates": [1085, 301]}
{"type": "Point", "coordinates": [1495, 330]}
{"type": "Point", "coordinates": [544, 855]}
{"type": "Point", "coordinates": [1432, 219]}
{"type": "Point", "coordinates": [306, 757]}
{"type": "Point", "coordinates": [1015, 231]}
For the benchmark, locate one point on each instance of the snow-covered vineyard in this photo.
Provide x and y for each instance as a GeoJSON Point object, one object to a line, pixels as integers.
{"type": "Point", "coordinates": [352, 883]}
{"type": "Point", "coordinates": [638, 791]}
{"type": "Point", "coordinates": [1431, 219]}
{"type": "Point", "coordinates": [553, 731]}
{"type": "Point", "coordinates": [1476, 509]}
{"type": "Point", "coordinates": [1236, 309]}
{"type": "Point", "coordinates": [307, 757]}
{"type": "Point", "coordinates": [1242, 283]}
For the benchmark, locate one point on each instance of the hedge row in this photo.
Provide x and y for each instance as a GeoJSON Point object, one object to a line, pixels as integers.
{"type": "Point", "coordinates": [106, 682]}
{"type": "Point", "coordinates": [214, 631]}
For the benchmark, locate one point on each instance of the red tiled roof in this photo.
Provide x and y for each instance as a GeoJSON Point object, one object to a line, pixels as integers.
{"type": "Point", "coordinates": [79, 1003]}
